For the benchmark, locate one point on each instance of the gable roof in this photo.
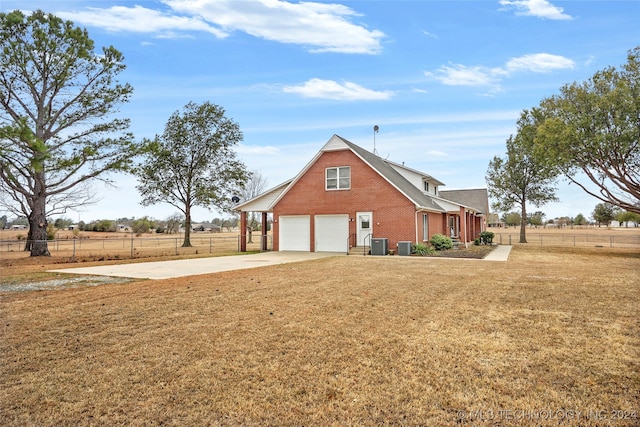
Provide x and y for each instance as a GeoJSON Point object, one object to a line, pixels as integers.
{"type": "Point", "coordinates": [394, 178]}
{"type": "Point", "coordinates": [263, 202]}
{"type": "Point", "coordinates": [477, 198]}
{"type": "Point", "coordinates": [385, 168]}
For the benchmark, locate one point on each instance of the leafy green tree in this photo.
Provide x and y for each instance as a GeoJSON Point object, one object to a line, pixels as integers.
{"type": "Point", "coordinates": [56, 131]}
{"type": "Point", "coordinates": [3, 222]}
{"type": "Point", "coordinates": [594, 128]}
{"type": "Point", "coordinates": [512, 218]}
{"type": "Point", "coordinates": [142, 225]}
{"type": "Point", "coordinates": [580, 220]}
{"type": "Point", "coordinates": [604, 213]}
{"type": "Point", "coordinates": [254, 186]}
{"type": "Point", "coordinates": [62, 223]}
{"type": "Point", "coordinates": [193, 163]}
{"type": "Point", "coordinates": [625, 217]}
{"type": "Point", "coordinates": [537, 218]}
{"type": "Point", "coordinates": [522, 177]}
{"type": "Point", "coordinates": [103, 225]}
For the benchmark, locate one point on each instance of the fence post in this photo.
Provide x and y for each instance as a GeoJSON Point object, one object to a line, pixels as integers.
{"type": "Point", "coordinates": [131, 245]}
{"type": "Point", "coordinates": [176, 240]}
{"type": "Point", "coordinates": [73, 256]}
{"type": "Point", "coordinates": [611, 240]}
{"type": "Point", "coordinates": [210, 245]}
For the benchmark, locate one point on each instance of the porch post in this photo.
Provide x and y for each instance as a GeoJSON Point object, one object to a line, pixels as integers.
{"type": "Point", "coordinates": [243, 231]}
{"type": "Point", "coordinates": [264, 231]}
{"type": "Point", "coordinates": [463, 232]}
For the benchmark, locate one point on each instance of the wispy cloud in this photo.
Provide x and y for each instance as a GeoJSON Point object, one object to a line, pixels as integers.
{"type": "Point", "coordinates": [462, 75]}
{"type": "Point", "coordinates": [257, 149]}
{"type": "Point", "coordinates": [139, 19]}
{"type": "Point", "coordinates": [330, 89]}
{"type": "Point", "coordinates": [436, 153]}
{"type": "Point", "coordinates": [539, 8]}
{"type": "Point", "coordinates": [319, 27]}
{"type": "Point", "coordinates": [428, 34]}
{"type": "Point", "coordinates": [539, 63]}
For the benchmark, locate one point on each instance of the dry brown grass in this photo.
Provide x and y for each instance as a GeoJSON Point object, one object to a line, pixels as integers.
{"type": "Point", "coordinates": [337, 341]}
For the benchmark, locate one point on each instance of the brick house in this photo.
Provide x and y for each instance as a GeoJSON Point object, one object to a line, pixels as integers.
{"type": "Point", "coordinates": [346, 196]}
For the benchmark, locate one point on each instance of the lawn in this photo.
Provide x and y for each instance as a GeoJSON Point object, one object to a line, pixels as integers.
{"type": "Point", "coordinates": [551, 337]}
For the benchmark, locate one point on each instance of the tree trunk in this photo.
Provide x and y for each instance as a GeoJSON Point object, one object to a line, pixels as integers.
{"type": "Point", "coordinates": [187, 228]}
{"type": "Point", "coordinates": [523, 224]}
{"type": "Point", "coordinates": [38, 225]}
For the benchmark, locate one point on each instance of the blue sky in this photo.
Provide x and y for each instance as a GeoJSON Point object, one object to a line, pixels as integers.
{"type": "Point", "coordinates": [445, 81]}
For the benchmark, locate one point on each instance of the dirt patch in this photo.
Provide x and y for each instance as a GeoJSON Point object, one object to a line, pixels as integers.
{"type": "Point", "coordinates": [58, 284]}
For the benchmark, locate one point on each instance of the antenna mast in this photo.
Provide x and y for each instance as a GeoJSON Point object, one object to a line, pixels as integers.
{"type": "Point", "coordinates": [375, 130]}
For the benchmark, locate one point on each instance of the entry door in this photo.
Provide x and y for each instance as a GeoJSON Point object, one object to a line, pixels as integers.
{"type": "Point", "coordinates": [364, 227]}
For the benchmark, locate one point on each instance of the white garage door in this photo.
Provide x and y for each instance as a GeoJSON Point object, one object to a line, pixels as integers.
{"type": "Point", "coordinates": [295, 233]}
{"type": "Point", "coordinates": [332, 233]}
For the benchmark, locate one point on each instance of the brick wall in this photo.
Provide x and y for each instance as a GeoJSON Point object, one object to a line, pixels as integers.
{"type": "Point", "coordinates": [394, 216]}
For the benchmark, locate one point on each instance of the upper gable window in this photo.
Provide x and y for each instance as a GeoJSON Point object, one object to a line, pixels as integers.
{"type": "Point", "coordinates": [338, 178]}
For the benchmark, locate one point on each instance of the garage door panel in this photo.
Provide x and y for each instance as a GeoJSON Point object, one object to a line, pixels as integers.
{"type": "Point", "coordinates": [294, 233]}
{"type": "Point", "coordinates": [331, 233]}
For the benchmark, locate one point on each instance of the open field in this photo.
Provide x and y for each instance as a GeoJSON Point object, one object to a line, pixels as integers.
{"type": "Point", "coordinates": [96, 246]}
{"type": "Point", "coordinates": [551, 337]}
{"type": "Point", "coordinates": [614, 237]}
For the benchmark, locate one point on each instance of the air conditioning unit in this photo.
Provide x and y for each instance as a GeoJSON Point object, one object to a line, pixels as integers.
{"type": "Point", "coordinates": [404, 248]}
{"type": "Point", "coordinates": [379, 246]}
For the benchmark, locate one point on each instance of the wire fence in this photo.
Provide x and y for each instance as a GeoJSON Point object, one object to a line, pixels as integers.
{"type": "Point", "coordinates": [562, 239]}
{"type": "Point", "coordinates": [141, 247]}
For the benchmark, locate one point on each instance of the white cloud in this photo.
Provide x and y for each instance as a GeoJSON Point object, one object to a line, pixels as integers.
{"type": "Point", "coordinates": [140, 20]}
{"type": "Point", "coordinates": [329, 89]}
{"type": "Point", "coordinates": [436, 153]}
{"type": "Point", "coordinates": [539, 8]}
{"type": "Point", "coordinates": [318, 26]}
{"type": "Point", "coordinates": [257, 149]}
{"type": "Point", "coordinates": [461, 75]}
{"type": "Point", "coordinates": [322, 27]}
{"type": "Point", "coordinates": [428, 34]}
{"type": "Point", "coordinates": [539, 63]}
{"type": "Point", "coordinates": [479, 76]}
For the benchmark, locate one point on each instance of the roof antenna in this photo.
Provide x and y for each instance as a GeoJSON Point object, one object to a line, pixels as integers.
{"type": "Point", "coordinates": [375, 130]}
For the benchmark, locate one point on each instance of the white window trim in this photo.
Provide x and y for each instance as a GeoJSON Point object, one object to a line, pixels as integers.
{"type": "Point", "coordinates": [337, 169]}
{"type": "Point", "coordinates": [425, 227]}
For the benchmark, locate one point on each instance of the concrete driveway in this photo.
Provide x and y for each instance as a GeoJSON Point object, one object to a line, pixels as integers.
{"type": "Point", "coordinates": [191, 267]}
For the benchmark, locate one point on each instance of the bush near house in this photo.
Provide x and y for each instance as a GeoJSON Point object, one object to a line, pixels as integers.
{"type": "Point", "coordinates": [422, 249]}
{"type": "Point", "coordinates": [441, 242]}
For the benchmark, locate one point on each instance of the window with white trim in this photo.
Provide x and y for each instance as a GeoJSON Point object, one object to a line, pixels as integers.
{"type": "Point", "coordinates": [338, 178]}
{"type": "Point", "coordinates": [425, 227]}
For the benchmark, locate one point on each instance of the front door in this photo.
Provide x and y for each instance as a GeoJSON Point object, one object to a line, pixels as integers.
{"type": "Point", "coordinates": [364, 227]}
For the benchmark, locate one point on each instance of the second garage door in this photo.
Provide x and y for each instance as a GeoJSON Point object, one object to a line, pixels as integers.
{"type": "Point", "coordinates": [332, 233]}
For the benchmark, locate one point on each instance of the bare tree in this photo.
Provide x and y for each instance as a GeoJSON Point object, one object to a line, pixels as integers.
{"type": "Point", "coordinates": [256, 184]}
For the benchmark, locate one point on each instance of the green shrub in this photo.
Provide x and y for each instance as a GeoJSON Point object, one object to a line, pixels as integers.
{"type": "Point", "coordinates": [441, 242]}
{"type": "Point", "coordinates": [486, 237]}
{"type": "Point", "coordinates": [423, 249]}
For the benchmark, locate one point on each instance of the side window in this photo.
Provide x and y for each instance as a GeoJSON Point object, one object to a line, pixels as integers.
{"type": "Point", "coordinates": [425, 227]}
{"type": "Point", "coordinates": [338, 178]}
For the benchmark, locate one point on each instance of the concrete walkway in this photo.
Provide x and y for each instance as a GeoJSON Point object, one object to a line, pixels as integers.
{"type": "Point", "coordinates": [195, 266]}
{"type": "Point", "coordinates": [192, 267]}
{"type": "Point", "coordinates": [500, 253]}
